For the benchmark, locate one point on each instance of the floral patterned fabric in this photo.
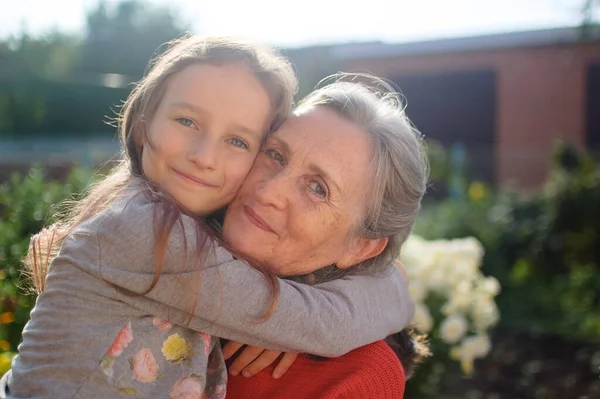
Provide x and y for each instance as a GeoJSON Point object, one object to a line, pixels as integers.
{"type": "Point", "coordinates": [163, 361]}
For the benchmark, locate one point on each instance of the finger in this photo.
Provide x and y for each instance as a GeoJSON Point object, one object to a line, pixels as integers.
{"type": "Point", "coordinates": [284, 364]}
{"type": "Point", "coordinates": [231, 348]}
{"type": "Point", "coordinates": [264, 360]}
{"type": "Point", "coordinates": [247, 356]}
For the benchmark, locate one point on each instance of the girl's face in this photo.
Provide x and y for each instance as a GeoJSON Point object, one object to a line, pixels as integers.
{"type": "Point", "coordinates": [205, 135]}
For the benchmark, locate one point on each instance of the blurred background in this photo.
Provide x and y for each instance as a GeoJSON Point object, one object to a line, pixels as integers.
{"type": "Point", "coordinates": [506, 93]}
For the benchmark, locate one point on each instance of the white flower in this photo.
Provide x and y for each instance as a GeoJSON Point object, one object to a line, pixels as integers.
{"type": "Point", "coordinates": [457, 303]}
{"type": "Point", "coordinates": [416, 258]}
{"type": "Point", "coordinates": [453, 328]}
{"type": "Point", "coordinates": [450, 271]}
{"type": "Point", "coordinates": [484, 313]}
{"type": "Point", "coordinates": [489, 286]}
{"type": "Point", "coordinates": [466, 359]}
{"type": "Point", "coordinates": [423, 320]}
{"type": "Point", "coordinates": [463, 288]}
{"type": "Point", "coordinates": [478, 345]}
{"type": "Point", "coordinates": [437, 279]}
{"type": "Point", "coordinates": [417, 290]}
{"type": "Point", "coordinates": [472, 246]}
{"type": "Point", "coordinates": [465, 270]}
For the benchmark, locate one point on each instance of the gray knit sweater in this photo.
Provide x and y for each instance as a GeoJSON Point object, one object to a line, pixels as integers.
{"type": "Point", "coordinates": [90, 337]}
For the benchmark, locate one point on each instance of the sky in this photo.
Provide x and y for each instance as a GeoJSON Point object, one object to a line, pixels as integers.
{"type": "Point", "coordinates": [294, 23]}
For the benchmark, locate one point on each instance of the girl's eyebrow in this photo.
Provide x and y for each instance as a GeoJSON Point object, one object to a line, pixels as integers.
{"type": "Point", "coordinates": [191, 107]}
{"type": "Point", "coordinates": [247, 130]}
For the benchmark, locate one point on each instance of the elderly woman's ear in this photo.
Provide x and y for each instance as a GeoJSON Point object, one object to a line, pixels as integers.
{"type": "Point", "coordinates": [361, 249]}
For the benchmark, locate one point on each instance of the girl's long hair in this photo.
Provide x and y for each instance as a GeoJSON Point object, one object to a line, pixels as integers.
{"type": "Point", "coordinates": [270, 68]}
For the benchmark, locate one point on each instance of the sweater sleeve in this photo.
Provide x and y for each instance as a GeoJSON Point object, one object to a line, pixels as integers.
{"type": "Point", "coordinates": [225, 297]}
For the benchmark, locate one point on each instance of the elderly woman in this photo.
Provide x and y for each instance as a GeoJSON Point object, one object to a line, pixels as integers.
{"type": "Point", "coordinates": [334, 192]}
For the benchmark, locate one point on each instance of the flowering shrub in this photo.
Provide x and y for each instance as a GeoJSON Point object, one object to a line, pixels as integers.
{"type": "Point", "coordinates": [24, 208]}
{"type": "Point", "coordinates": [455, 302]}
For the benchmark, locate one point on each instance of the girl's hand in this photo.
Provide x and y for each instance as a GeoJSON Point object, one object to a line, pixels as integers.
{"type": "Point", "coordinates": [254, 359]}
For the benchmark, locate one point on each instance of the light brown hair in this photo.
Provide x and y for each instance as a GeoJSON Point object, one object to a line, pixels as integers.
{"type": "Point", "coordinates": [270, 68]}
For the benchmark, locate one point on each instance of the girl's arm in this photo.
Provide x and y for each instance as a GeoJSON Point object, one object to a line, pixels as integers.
{"type": "Point", "coordinates": [226, 297]}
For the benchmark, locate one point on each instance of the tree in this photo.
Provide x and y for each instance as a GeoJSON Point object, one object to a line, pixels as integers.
{"type": "Point", "coordinates": [54, 85]}
{"type": "Point", "coordinates": [589, 9]}
{"type": "Point", "coordinates": [590, 20]}
{"type": "Point", "coordinates": [51, 56]}
{"type": "Point", "coordinates": [121, 39]}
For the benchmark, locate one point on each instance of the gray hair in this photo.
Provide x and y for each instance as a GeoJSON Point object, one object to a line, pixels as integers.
{"type": "Point", "coordinates": [399, 169]}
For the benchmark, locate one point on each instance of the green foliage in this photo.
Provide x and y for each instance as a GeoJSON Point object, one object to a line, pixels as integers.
{"type": "Point", "coordinates": [53, 56]}
{"type": "Point", "coordinates": [35, 108]}
{"type": "Point", "coordinates": [121, 39]}
{"type": "Point", "coordinates": [589, 11]}
{"type": "Point", "coordinates": [543, 249]}
{"type": "Point", "coordinates": [24, 208]}
{"type": "Point", "coordinates": [56, 84]}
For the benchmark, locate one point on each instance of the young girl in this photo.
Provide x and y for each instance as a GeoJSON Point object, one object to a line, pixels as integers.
{"type": "Point", "coordinates": [139, 285]}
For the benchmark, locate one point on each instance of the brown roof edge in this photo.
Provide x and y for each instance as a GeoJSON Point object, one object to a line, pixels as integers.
{"type": "Point", "coordinates": [534, 38]}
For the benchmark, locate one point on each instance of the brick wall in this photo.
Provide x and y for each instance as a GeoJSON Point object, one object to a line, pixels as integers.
{"type": "Point", "coordinates": [540, 97]}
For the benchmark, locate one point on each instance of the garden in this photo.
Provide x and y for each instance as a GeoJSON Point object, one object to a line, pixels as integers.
{"type": "Point", "coordinates": [507, 284]}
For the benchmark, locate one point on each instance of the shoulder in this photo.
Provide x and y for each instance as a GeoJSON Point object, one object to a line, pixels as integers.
{"type": "Point", "coordinates": [377, 354]}
{"type": "Point", "coordinates": [377, 373]}
{"type": "Point", "coordinates": [133, 218]}
{"type": "Point", "coordinates": [131, 212]}
{"type": "Point", "coordinates": [139, 226]}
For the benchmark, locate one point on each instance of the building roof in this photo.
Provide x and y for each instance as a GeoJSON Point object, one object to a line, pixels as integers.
{"type": "Point", "coordinates": [537, 38]}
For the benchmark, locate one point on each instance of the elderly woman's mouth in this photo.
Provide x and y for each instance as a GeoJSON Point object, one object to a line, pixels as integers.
{"type": "Point", "coordinates": [257, 220]}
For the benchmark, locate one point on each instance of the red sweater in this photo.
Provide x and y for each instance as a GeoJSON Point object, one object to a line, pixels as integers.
{"type": "Point", "coordinates": [372, 371]}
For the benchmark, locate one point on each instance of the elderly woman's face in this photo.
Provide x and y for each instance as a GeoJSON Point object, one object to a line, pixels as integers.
{"type": "Point", "coordinates": [304, 196]}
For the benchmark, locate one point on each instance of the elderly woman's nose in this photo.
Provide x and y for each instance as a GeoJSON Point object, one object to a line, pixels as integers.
{"type": "Point", "coordinates": [273, 191]}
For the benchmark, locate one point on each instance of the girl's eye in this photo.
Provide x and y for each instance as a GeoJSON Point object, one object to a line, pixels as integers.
{"type": "Point", "coordinates": [318, 189]}
{"type": "Point", "coordinates": [275, 155]}
{"type": "Point", "coordinates": [185, 122]}
{"type": "Point", "coordinates": [239, 143]}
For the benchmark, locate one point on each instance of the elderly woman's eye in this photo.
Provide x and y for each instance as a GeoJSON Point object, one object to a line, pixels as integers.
{"type": "Point", "coordinates": [319, 189]}
{"type": "Point", "coordinates": [275, 155]}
